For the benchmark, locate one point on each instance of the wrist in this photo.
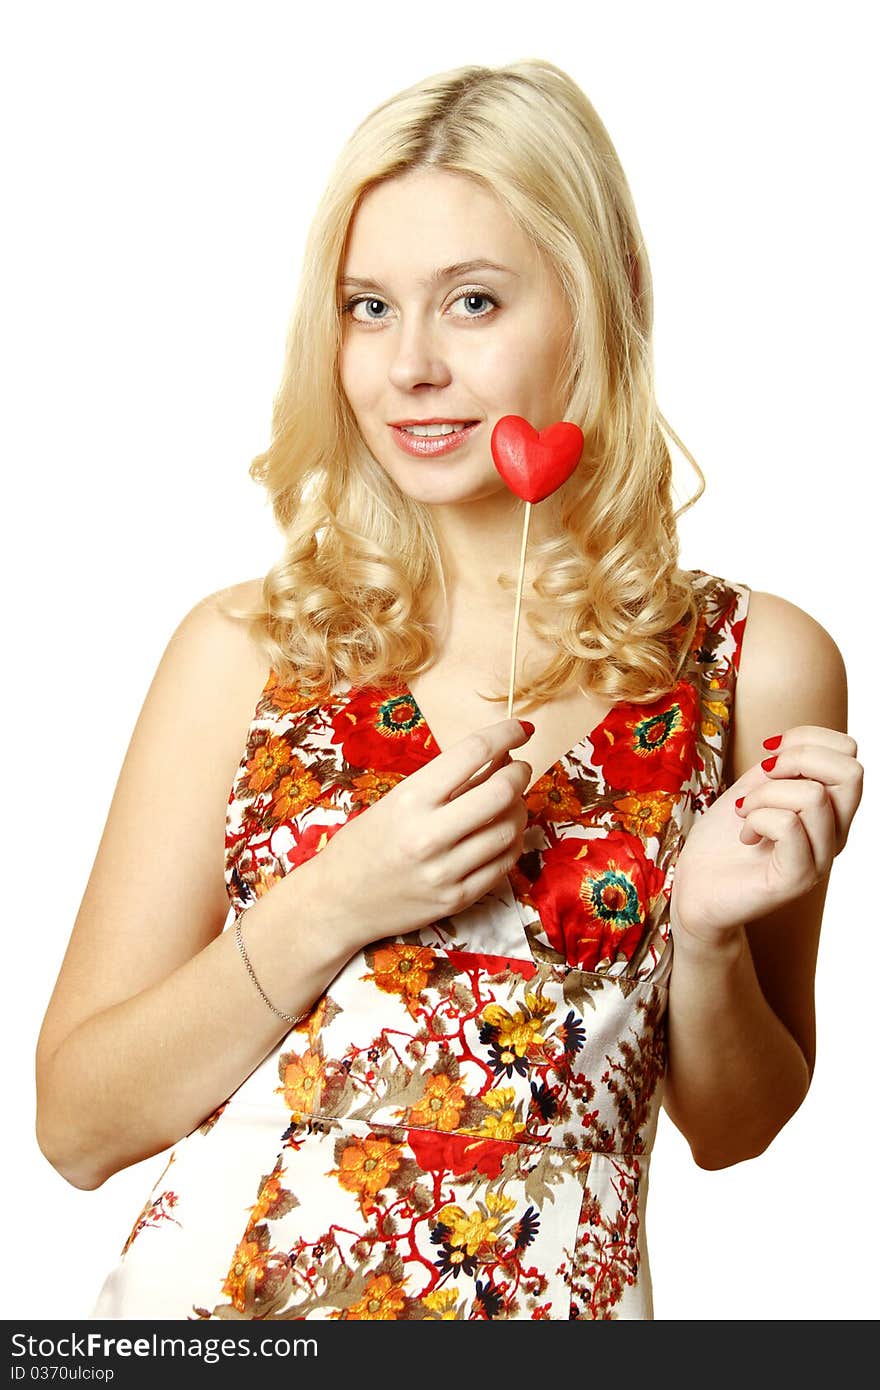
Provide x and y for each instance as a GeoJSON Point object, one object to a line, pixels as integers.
{"type": "Point", "coordinates": [726, 943]}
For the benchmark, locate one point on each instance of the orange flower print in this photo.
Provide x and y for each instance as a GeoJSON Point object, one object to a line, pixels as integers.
{"type": "Point", "coordinates": [289, 699]}
{"type": "Point", "coordinates": [247, 1271]}
{"type": "Point", "coordinates": [645, 813]}
{"type": "Point", "coordinates": [263, 880]}
{"type": "Point", "coordinates": [402, 969]}
{"type": "Point", "coordinates": [553, 798]}
{"type": "Point", "coordinates": [296, 790]}
{"type": "Point", "coordinates": [303, 1082]}
{"type": "Point", "coordinates": [372, 786]}
{"type": "Point", "coordinates": [367, 1165]}
{"type": "Point", "coordinates": [269, 760]}
{"type": "Point", "coordinates": [381, 1299]}
{"type": "Point", "coordinates": [270, 1196]}
{"type": "Point", "coordinates": [441, 1105]}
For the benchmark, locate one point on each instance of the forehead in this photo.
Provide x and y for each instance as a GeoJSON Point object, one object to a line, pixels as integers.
{"type": "Point", "coordinates": [421, 220]}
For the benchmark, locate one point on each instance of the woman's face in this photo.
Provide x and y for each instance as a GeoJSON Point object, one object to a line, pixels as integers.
{"type": "Point", "coordinates": [423, 344]}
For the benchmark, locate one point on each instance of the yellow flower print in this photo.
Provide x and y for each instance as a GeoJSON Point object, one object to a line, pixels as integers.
{"type": "Point", "coordinates": [442, 1302]}
{"type": "Point", "coordinates": [501, 1205]}
{"type": "Point", "coordinates": [517, 1032]}
{"type": "Point", "coordinates": [715, 713]}
{"type": "Point", "coordinates": [538, 1005]}
{"type": "Point", "coordinates": [470, 1231]}
{"type": "Point", "coordinates": [500, 1098]}
{"type": "Point", "coordinates": [502, 1126]}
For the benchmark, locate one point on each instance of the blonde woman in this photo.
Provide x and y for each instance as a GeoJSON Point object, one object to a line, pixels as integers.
{"type": "Point", "coordinates": [469, 957]}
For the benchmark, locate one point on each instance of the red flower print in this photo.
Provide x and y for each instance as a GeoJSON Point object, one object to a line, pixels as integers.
{"type": "Point", "coordinates": [491, 965]}
{"type": "Point", "coordinates": [384, 730]}
{"type": "Point", "coordinates": [458, 1153]}
{"type": "Point", "coordinates": [650, 747]}
{"type": "Point", "coordinates": [311, 842]}
{"type": "Point", "coordinates": [593, 896]}
{"type": "Point", "coordinates": [736, 632]}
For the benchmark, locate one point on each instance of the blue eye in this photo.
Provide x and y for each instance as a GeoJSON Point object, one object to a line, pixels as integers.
{"type": "Point", "coordinates": [362, 299]}
{"type": "Point", "coordinates": [373, 301]}
{"type": "Point", "coordinates": [477, 294]}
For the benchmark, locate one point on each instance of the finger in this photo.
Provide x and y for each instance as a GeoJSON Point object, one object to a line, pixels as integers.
{"type": "Point", "coordinates": [476, 808]}
{"type": "Point", "coordinates": [809, 800]}
{"type": "Point", "coordinates": [841, 775]}
{"type": "Point", "coordinates": [819, 761]}
{"type": "Point", "coordinates": [791, 866]}
{"type": "Point", "coordinates": [452, 771]}
{"type": "Point", "coordinates": [801, 734]}
{"type": "Point", "coordinates": [483, 776]}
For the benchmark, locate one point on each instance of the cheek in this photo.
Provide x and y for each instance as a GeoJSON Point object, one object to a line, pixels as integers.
{"type": "Point", "coordinates": [354, 373]}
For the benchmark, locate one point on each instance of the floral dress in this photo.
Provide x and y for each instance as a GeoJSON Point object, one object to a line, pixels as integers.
{"type": "Point", "coordinates": [462, 1125]}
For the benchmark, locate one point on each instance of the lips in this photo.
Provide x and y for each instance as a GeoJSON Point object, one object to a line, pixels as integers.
{"type": "Point", "coordinates": [424, 446]}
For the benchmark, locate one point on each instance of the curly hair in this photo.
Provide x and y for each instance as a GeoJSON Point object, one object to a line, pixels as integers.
{"type": "Point", "coordinates": [348, 599]}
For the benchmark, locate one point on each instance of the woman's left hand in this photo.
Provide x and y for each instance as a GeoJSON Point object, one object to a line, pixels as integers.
{"type": "Point", "coordinates": [738, 864]}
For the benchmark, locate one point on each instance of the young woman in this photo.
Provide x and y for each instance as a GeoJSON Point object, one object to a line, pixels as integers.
{"type": "Point", "coordinates": [420, 1074]}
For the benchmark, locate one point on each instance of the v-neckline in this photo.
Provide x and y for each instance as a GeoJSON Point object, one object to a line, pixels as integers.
{"type": "Point", "coordinates": [558, 764]}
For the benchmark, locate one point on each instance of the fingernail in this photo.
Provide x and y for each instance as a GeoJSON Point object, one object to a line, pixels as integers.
{"type": "Point", "coordinates": [739, 801]}
{"type": "Point", "coordinates": [773, 742]}
{"type": "Point", "coordinates": [768, 763]}
{"type": "Point", "coordinates": [528, 726]}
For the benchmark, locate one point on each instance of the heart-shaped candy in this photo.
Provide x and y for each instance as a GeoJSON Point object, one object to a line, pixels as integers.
{"type": "Point", "coordinates": [535, 463]}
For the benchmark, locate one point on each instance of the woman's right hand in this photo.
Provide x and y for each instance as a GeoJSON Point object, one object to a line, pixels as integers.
{"type": "Point", "coordinates": [438, 840]}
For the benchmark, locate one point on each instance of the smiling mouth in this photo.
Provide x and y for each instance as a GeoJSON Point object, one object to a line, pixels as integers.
{"type": "Point", "coordinates": [428, 440]}
{"type": "Point", "coordinates": [434, 429]}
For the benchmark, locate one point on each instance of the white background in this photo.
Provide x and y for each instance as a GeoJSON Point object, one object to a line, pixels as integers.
{"type": "Point", "coordinates": [161, 165]}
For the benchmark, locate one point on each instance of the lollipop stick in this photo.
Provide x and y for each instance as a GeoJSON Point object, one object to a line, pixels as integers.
{"type": "Point", "coordinates": [519, 589]}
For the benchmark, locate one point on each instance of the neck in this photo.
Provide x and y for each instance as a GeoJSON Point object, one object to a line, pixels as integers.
{"type": "Point", "coordinates": [483, 539]}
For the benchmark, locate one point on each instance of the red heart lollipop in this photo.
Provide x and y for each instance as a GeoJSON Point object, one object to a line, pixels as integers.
{"type": "Point", "coordinates": [535, 464]}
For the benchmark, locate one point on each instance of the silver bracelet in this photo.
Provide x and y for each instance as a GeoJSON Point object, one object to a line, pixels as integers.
{"type": "Point", "coordinates": [288, 1018]}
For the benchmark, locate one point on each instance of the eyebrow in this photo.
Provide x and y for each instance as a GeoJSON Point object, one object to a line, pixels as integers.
{"type": "Point", "coordinates": [445, 273]}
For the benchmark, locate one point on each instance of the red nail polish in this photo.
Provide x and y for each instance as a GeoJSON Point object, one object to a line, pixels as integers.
{"type": "Point", "coordinates": [739, 801]}
{"type": "Point", "coordinates": [528, 726]}
{"type": "Point", "coordinates": [773, 742]}
{"type": "Point", "coordinates": [768, 763]}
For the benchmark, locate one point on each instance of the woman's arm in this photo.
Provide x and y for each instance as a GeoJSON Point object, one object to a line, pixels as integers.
{"type": "Point", "coordinates": [154, 1020]}
{"type": "Point", "coordinates": [741, 1019]}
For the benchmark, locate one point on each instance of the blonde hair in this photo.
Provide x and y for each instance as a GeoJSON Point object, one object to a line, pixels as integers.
{"type": "Point", "coordinates": [361, 563]}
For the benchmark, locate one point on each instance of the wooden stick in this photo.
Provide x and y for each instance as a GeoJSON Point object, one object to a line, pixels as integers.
{"type": "Point", "coordinates": [519, 589]}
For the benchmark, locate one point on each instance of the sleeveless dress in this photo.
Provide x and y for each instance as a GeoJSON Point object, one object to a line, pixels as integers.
{"type": "Point", "coordinates": [462, 1126]}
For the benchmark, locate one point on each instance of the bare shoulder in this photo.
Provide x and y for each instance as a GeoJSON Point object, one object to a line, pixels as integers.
{"type": "Point", "coordinates": [213, 620]}
{"type": "Point", "coordinates": [167, 820]}
{"type": "Point", "coordinates": [791, 672]}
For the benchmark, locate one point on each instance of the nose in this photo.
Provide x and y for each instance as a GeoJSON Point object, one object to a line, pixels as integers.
{"type": "Point", "coordinates": [417, 359]}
